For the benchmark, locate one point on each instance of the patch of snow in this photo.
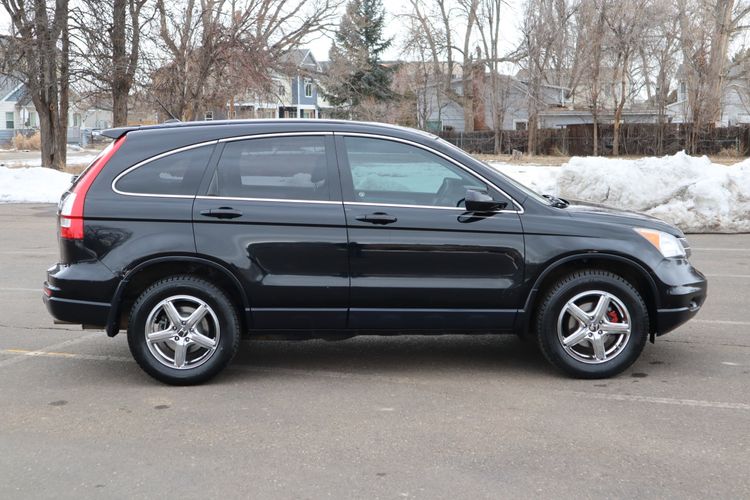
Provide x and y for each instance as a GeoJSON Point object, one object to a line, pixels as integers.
{"type": "Point", "coordinates": [77, 159]}
{"type": "Point", "coordinates": [689, 192]}
{"type": "Point", "coordinates": [32, 185]}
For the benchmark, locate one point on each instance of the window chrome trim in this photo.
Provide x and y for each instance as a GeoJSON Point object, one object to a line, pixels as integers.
{"type": "Point", "coordinates": [154, 158]}
{"type": "Point", "coordinates": [430, 207]}
{"type": "Point", "coordinates": [438, 153]}
{"type": "Point", "coordinates": [273, 200]}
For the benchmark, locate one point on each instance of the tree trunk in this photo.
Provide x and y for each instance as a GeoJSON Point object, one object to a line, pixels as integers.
{"type": "Point", "coordinates": [47, 134]}
{"type": "Point", "coordinates": [595, 120]}
{"type": "Point", "coordinates": [120, 83]}
{"type": "Point", "coordinates": [531, 129]}
{"type": "Point", "coordinates": [61, 143]}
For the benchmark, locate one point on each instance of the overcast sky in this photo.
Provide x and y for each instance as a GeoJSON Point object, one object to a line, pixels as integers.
{"type": "Point", "coordinates": [395, 10]}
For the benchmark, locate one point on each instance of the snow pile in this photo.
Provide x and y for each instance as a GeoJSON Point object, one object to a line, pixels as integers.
{"type": "Point", "coordinates": [543, 180]}
{"type": "Point", "coordinates": [32, 185]}
{"type": "Point", "coordinates": [690, 192]}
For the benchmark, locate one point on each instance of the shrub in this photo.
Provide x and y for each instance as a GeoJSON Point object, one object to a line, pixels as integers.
{"type": "Point", "coordinates": [22, 142]}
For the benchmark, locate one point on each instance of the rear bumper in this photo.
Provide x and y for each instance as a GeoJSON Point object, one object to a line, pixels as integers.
{"type": "Point", "coordinates": [77, 311]}
{"type": "Point", "coordinates": [80, 293]}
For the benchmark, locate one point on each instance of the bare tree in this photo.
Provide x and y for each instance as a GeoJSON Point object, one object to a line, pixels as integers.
{"type": "Point", "coordinates": [660, 50]}
{"type": "Point", "coordinates": [545, 25]}
{"type": "Point", "coordinates": [706, 28]}
{"type": "Point", "coordinates": [106, 44]}
{"type": "Point", "coordinates": [217, 48]}
{"type": "Point", "coordinates": [488, 25]}
{"type": "Point", "coordinates": [37, 50]}
{"type": "Point", "coordinates": [592, 25]}
{"type": "Point", "coordinates": [627, 27]}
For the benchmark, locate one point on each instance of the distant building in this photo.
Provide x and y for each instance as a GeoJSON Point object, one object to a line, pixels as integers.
{"type": "Point", "coordinates": [292, 94]}
{"type": "Point", "coordinates": [735, 102]}
{"type": "Point", "coordinates": [18, 113]}
{"type": "Point", "coordinates": [558, 107]}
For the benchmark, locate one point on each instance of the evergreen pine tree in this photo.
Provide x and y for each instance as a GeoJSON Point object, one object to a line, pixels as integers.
{"type": "Point", "coordinates": [356, 73]}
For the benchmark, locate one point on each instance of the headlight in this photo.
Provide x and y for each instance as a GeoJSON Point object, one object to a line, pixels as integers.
{"type": "Point", "coordinates": [668, 245]}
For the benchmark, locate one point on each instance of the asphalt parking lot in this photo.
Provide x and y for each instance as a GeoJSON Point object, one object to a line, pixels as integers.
{"type": "Point", "coordinates": [407, 417]}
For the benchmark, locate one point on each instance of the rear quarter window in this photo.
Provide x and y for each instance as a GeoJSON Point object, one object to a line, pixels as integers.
{"type": "Point", "coordinates": [287, 168]}
{"type": "Point", "coordinates": [174, 174]}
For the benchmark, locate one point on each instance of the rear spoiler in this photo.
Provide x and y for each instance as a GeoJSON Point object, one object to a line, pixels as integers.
{"type": "Point", "coordinates": [116, 133]}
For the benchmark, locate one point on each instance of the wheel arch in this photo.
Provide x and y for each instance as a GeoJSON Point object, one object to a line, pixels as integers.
{"type": "Point", "coordinates": [141, 275]}
{"type": "Point", "coordinates": [628, 268]}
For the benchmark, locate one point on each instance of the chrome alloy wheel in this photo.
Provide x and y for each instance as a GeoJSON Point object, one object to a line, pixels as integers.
{"type": "Point", "coordinates": [182, 332]}
{"type": "Point", "coordinates": [594, 327]}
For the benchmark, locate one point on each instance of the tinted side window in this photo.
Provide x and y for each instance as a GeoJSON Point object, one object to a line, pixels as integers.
{"type": "Point", "coordinates": [287, 168]}
{"type": "Point", "coordinates": [178, 173]}
{"type": "Point", "coordinates": [392, 172]}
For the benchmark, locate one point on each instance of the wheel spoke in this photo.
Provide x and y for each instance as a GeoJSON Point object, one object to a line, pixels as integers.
{"type": "Point", "coordinates": [578, 313]}
{"type": "Point", "coordinates": [202, 340]}
{"type": "Point", "coordinates": [598, 344]}
{"type": "Point", "coordinates": [180, 352]}
{"type": "Point", "coordinates": [160, 336]}
{"type": "Point", "coordinates": [601, 308]}
{"type": "Point", "coordinates": [615, 328]}
{"type": "Point", "coordinates": [197, 316]}
{"type": "Point", "coordinates": [575, 338]}
{"type": "Point", "coordinates": [172, 313]}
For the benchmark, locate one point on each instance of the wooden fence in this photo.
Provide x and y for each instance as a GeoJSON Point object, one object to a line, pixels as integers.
{"type": "Point", "coordinates": [635, 140]}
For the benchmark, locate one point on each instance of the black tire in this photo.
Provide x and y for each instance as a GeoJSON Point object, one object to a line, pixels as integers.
{"type": "Point", "coordinates": [220, 322]}
{"type": "Point", "coordinates": [550, 325]}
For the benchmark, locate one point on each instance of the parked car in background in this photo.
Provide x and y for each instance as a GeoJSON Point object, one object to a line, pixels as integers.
{"type": "Point", "coordinates": [191, 235]}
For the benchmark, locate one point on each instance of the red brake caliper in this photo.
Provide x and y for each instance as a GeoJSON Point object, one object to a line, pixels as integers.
{"type": "Point", "coordinates": [612, 316]}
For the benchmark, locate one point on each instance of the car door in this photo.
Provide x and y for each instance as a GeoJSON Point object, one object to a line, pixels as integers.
{"type": "Point", "coordinates": [417, 258]}
{"type": "Point", "coordinates": [272, 212]}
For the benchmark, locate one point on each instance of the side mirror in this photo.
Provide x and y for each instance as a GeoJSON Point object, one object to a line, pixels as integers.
{"type": "Point", "coordinates": [476, 201]}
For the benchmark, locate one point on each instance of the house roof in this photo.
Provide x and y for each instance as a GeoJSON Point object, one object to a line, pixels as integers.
{"type": "Point", "coordinates": [299, 57]}
{"type": "Point", "coordinates": [11, 89]}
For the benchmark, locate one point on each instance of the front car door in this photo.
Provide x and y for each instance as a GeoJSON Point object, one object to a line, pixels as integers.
{"type": "Point", "coordinates": [418, 260]}
{"type": "Point", "coordinates": [272, 212]}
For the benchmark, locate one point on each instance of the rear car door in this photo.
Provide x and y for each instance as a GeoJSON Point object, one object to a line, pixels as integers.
{"type": "Point", "coordinates": [272, 212]}
{"type": "Point", "coordinates": [418, 259]}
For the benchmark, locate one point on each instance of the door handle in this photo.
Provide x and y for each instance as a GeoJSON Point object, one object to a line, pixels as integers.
{"type": "Point", "coordinates": [222, 213]}
{"type": "Point", "coordinates": [377, 218]}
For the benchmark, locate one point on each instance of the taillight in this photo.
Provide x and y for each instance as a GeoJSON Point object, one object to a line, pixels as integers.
{"type": "Point", "coordinates": [71, 208]}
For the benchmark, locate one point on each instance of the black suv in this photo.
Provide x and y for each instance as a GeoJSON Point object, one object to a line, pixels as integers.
{"type": "Point", "coordinates": [192, 234]}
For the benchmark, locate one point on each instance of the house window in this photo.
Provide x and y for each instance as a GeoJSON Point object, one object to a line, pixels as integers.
{"type": "Point", "coordinates": [308, 88]}
{"type": "Point", "coordinates": [208, 115]}
{"type": "Point", "coordinates": [683, 88]}
{"type": "Point", "coordinates": [76, 119]}
{"type": "Point", "coordinates": [282, 90]}
{"type": "Point", "coordinates": [10, 120]}
{"type": "Point", "coordinates": [32, 120]}
{"type": "Point", "coordinates": [521, 124]}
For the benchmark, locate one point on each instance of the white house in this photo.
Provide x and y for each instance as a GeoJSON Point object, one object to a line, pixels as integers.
{"type": "Point", "coordinates": [17, 113]}
{"type": "Point", "coordinates": [735, 102]}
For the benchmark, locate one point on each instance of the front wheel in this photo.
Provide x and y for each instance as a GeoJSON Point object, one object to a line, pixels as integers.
{"type": "Point", "coordinates": [183, 330]}
{"type": "Point", "coordinates": [592, 324]}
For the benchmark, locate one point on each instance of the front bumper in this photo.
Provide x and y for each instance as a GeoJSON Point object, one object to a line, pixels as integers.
{"type": "Point", "coordinates": [683, 290]}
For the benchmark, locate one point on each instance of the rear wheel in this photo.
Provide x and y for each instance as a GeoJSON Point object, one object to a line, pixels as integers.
{"type": "Point", "coordinates": [183, 330]}
{"type": "Point", "coordinates": [592, 324]}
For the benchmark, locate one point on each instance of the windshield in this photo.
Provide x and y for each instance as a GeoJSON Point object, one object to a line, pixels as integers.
{"type": "Point", "coordinates": [521, 187]}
